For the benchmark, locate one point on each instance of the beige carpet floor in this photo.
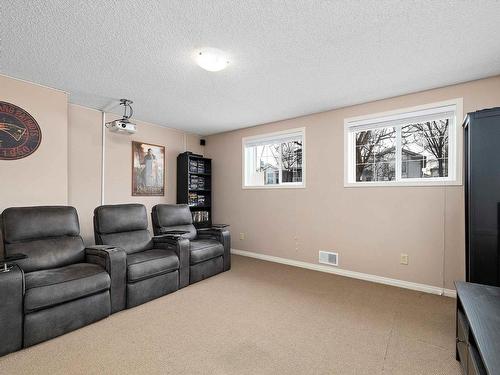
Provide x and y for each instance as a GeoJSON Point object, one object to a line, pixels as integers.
{"type": "Point", "coordinates": [261, 318]}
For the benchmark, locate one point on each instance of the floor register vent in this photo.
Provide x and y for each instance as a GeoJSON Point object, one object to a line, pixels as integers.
{"type": "Point", "coordinates": [327, 257]}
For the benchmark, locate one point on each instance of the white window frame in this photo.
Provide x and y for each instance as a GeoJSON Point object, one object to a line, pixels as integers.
{"type": "Point", "coordinates": [397, 117]}
{"type": "Point", "coordinates": [270, 136]}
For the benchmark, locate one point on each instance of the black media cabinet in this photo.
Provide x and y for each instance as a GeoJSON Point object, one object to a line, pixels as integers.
{"type": "Point", "coordinates": [478, 328]}
{"type": "Point", "coordinates": [482, 196]}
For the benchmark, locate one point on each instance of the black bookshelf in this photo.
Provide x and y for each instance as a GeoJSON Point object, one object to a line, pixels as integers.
{"type": "Point", "coordinates": [194, 186]}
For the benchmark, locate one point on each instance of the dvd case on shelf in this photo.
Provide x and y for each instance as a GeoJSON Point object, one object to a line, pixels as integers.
{"type": "Point", "coordinates": [193, 182]}
{"type": "Point", "coordinates": [193, 166]}
{"type": "Point", "coordinates": [201, 183]}
{"type": "Point", "coordinates": [201, 166]}
{"type": "Point", "coordinates": [196, 200]}
{"type": "Point", "coordinates": [200, 216]}
{"type": "Point", "coordinates": [201, 200]}
{"type": "Point", "coordinates": [193, 199]}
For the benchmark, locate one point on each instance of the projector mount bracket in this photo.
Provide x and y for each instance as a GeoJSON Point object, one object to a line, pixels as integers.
{"type": "Point", "coordinates": [126, 103]}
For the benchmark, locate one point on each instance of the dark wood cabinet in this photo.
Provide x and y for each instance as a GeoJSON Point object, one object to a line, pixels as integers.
{"type": "Point", "coordinates": [478, 328]}
{"type": "Point", "coordinates": [482, 196]}
{"type": "Point", "coordinates": [194, 186]}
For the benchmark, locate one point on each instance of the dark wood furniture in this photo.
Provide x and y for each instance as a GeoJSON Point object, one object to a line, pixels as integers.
{"type": "Point", "coordinates": [482, 196]}
{"type": "Point", "coordinates": [194, 186]}
{"type": "Point", "coordinates": [478, 328]}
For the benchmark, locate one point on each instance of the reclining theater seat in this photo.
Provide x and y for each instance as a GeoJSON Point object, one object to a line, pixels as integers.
{"type": "Point", "coordinates": [209, 248]}
{"type": "Point", "coordinates": [152, 265]}
{"type": "Point", "coordinates": [62, 290]}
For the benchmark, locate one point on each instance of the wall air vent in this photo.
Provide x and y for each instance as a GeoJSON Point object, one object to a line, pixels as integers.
{"type": "Point", "coordinates": [328, 257]}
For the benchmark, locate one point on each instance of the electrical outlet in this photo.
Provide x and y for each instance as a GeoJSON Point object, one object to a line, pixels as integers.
{"type": "Point", "coordinates": [404, 259]}
{"type": "Point", "coordinates": [242, 236]}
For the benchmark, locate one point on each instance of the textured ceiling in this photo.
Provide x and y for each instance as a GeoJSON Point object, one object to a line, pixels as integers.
{"type": "Point", "coordinates": [289, 58]}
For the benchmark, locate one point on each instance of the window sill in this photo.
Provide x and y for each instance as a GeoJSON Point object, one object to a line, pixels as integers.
{"type": "Point", "coordinates": [402, 184]}
{"type": "Point", "coordinates": [302, 186]}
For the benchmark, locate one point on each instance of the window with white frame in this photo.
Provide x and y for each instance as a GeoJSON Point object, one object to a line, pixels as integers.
{"type": "Point", "coordinates": [408, 147]}
{"type": "Point", "coordinates": [274, 160]}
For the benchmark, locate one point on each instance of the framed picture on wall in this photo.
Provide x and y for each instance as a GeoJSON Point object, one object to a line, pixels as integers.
{"type": "Point", "coordinates": [148, 169]}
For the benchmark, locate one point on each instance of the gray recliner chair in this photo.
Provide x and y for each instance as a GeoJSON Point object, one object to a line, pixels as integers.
{"type": "Point", "coordinates": [57, 287]}
{"type": "Point", "coordinates": [209, 249]}
{"type": "Point", "coordinates": [155, 266]}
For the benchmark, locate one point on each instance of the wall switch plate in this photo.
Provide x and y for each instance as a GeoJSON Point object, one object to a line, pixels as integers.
{"type": "Point", "coordinates": [242, 236]}
{"type": "Point", "coordinates": [404, 259]}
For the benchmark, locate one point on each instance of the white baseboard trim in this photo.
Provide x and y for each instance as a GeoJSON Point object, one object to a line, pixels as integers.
{"type": "Point", "coordinates": [356, 275]}
{"type": "Point", "coordinates": [450, 293]}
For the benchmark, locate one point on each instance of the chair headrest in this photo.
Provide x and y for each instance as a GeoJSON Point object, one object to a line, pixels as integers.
{"type": "Point", "coordinates": [120, 218]}
{"type": "Point", "coordinates": [30, 223]}
{"type": "Point", "coordinates": [167, 215]}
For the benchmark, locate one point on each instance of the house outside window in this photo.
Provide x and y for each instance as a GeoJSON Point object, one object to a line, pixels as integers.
{"type": "Point", "coordinates": [274, 160]}
{"type": "Point", "coordinates": [414, 146]}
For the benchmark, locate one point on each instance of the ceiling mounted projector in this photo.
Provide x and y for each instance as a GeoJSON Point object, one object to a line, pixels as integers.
{"type": "Point", "coordinates": [212, 59]}
{"type": "Point", "coordinates": [123, 125]}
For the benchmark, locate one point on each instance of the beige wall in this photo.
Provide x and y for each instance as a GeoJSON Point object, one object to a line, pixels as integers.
{"type": "Point", "coordinates": [42, 177]}
{"type": "Point", "coordinates": [369, 227]}
{"type": "Point", "coordinates": [66, 168]}
{"type": "Point", "coordinates": [85, 139]}
{"type": "Point", "coordinates": [84, 156]}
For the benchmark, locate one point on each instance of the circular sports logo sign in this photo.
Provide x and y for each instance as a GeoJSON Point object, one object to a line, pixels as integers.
{"type": "Point", "coordinates": [20, 134]}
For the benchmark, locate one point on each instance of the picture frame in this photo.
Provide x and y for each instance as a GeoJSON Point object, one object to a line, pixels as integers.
{"type": "Point", "coordinates": [148, 169]}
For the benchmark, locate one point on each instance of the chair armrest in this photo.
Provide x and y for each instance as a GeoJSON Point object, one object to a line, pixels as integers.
{"type": "Point", "coordinates": [181, 247]}
{"type": "Point", "coordinates": [219, 226]}
{"type": "Point", "coordinates": [213, 228]}
{"type": "Point", "coordinates": [114, 260]}
{"type": "Point", "coordinates": [213, 232]}
{"type": "Point", "coordinates": [170, 234]}
{"type": "Point", "coordinates": [11, 309]}
{"type": "Point", "coordinates": [224, 237]}
{"type": "Point", "coordinates": [13, 257]}
{"type": "Point", "coordinates": [10, 258]}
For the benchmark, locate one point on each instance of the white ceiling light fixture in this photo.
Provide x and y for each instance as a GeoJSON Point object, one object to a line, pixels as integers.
{"type": "Point", "coordinates": [212, 59]}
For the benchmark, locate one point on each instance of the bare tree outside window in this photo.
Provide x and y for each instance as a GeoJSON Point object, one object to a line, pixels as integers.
{"type": "Point", "coordinates": [287, 156]}
{"type": "Point", "coordinates": [291, 161]}
{"type": "Point", "coordinates": [268, 164]}
{"type": "Point", "coordinates": [413, 146]}
{"type": "Point", "coordinates": [375, 155]}
{"type": "Point", "coordinates": [426, 147]}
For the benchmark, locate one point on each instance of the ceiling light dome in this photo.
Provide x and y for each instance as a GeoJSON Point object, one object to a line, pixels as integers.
{"type": "Point", "coordinates": [212, 59]}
